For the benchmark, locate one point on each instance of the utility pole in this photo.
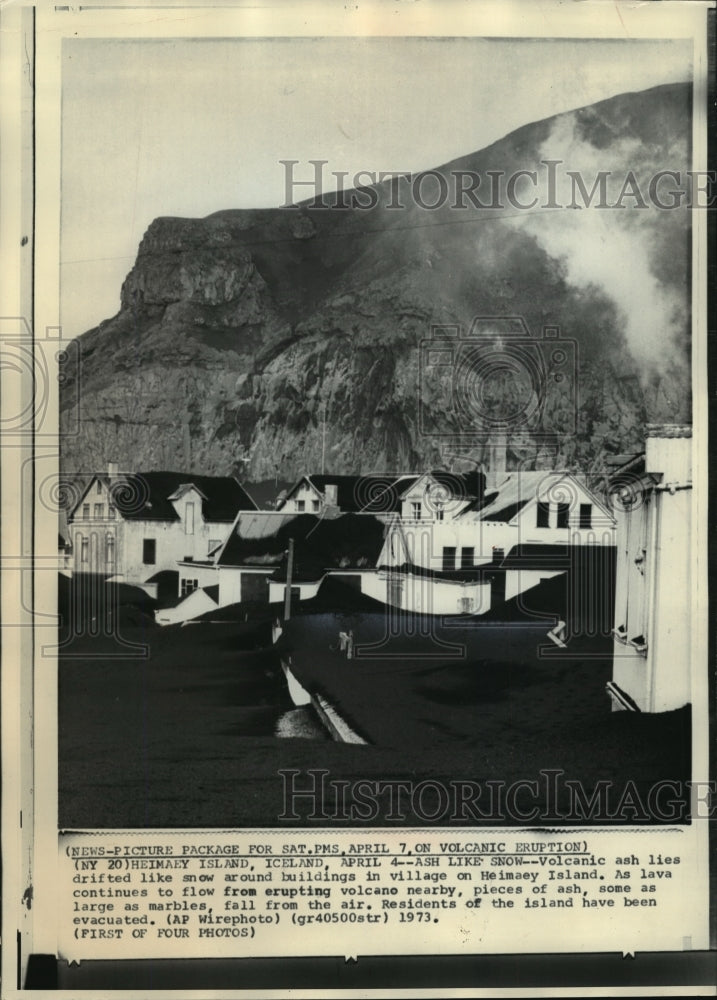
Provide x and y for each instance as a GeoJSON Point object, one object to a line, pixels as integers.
{"type": "Point", "coordinates": [289, 573]}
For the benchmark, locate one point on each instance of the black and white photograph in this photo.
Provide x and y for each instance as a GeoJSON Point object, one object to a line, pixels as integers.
{"type": "Point", "coordinates": [375, 362]}
{"type": "Point", "coordinates": [378, 450]}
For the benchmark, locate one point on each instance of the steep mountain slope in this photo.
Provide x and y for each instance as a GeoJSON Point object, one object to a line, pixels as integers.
{"type": "Point", "coordinates": [267, 342]}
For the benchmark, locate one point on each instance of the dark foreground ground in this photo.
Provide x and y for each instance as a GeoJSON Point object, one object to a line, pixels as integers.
{"type": "Point", "coordinates": [196, 733]}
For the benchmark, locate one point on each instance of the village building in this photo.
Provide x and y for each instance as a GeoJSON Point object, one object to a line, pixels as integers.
{"type": "Point", "coordinates": [534, 508]}
{"type": "Point", "coordinates": [440, 543]}
{"type": "Point", "coordinates": [448, 554]}
{"type": "Point", "coordinates": [133, 527]}
{"type": "Point", "coordinates": [435, 495]}
{"type": "Point", "coordinates": [653, 506]}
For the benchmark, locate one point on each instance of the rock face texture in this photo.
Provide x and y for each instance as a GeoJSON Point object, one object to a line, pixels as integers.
{"type": "Point", "coordinates": [273, 342]}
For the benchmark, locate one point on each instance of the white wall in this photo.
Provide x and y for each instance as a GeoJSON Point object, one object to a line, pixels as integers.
{"type": "Point", "coordinates": [173, 539]}
{"type": "Point", "coordinates": [422, 543]}
{"type": "Point", "coordinates": [230, 578]}
{"type": "Point", "coordinates": [653, 585]}
{"type": "Point", "coordinates": [206, 576]}
{"type": "Point", "coordinates": [425, 596]}
{"type": "Point", "coordinates": [277, 591]}
{"type": "Point", "coordinates": [432, 497]}
{"type": "Point", "coordinates": [311, 499]}
{"type": "Point", "coordinates": [197, 603]}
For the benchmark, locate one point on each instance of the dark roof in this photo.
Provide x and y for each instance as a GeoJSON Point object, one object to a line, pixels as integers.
{"type": "Point", "coordinates": [512, 494]}
{"type": "Point", "coordinates": [262, 539]}
{"type": "Point", "coordinates": [507, 513]}
{"type": "Point", "coordinates": [550, 557]}
{"type": "Point", "coordinates": [381, 493]}
{"type": "Point", "coordinates": [372, 494]}
{"type": "Point", "coordinates": [144, 496]}
{"type": "Point", "coordinates": [462, 485]}
{"type": "Point", "coordinates": [620, 464]}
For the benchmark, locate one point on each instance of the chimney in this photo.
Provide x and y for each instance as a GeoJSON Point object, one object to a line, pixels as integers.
{"type": "Point", "coordinates": [112, 471]}
{"type": "Point", "coordinates": [331, 495]}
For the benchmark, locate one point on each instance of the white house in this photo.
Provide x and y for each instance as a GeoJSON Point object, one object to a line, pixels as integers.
{"type": "Point", "coordinates": [526, 508]}
{"type": "Point", "coordinates": [252, 563]}
{"type": "Point", "coordinates": [434, 494]}
{"type": "Point", "coordinates": [651, 654]}
{"type": "Point", "coordinates": [135, 526]}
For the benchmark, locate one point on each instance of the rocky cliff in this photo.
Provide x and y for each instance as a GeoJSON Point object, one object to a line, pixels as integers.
{"type": "Point", "coordinates": [270, 342]}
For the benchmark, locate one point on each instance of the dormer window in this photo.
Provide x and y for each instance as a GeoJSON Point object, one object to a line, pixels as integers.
{"type": "Point", "coordinates": [416, 510]}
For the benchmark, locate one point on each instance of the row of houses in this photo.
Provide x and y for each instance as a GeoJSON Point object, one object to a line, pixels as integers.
{"type": "Point", "coordinates": [434, 543]}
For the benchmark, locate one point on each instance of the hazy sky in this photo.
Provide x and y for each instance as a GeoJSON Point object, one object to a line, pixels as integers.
{"type": "Point", "coordinates": [189, 127]}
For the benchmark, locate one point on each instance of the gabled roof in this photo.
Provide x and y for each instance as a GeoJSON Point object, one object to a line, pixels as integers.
{"type": "Point", "coordinates": [468, 486]}
{"type": "Point", "coordinates": [262, 539]}
{"type": "Point", "coordinates": [145, 496]}
{"type": "Point", "coordinates": [381, 493]}
{"type": "Point", "coordinates": [518, 489]}
{"type": "Point", "coordinates": [370, 494]}
{"type": "Point", "coordinates": [511, 495]}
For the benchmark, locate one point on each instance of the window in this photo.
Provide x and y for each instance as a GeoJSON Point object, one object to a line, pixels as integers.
{"type": "Point", "coordinates": [586, 515]}
{"type": "Point", "coordinates": [465, 605]}
{"type": "Point", "coordinates": [110, 544]}
{"type": "Point", "coordinates": [149, 551]}
{"type": "Point", "coordinates": [301, 506]}
{"type": "Point", "coordinates": [543, 520]}
{"type": "Point", "coordinates": [85, 511]}
{"type": "Point", "coordinates": [449, 558]}
{"type": "Point", "coordinates": [439, 512]}
{"type": "Point", "coordinates": [99, 511]}
{"type": "Point", "coordinates": [111, 512]}
{"type": "Point", "coordinates": [188, 586]}
{"type": "Point", "coordinates": [315, 505]}
{"type": "Point", "coordinates": [416, 510]}
{"type": "Point", "coordinates": [563, 514]}
{"type": "Point", "coordinates": [189, 518]}
{"type": "Point", "coordinates": [84, 549]}
{"type": "Point", "coordinates": [467, 553]}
